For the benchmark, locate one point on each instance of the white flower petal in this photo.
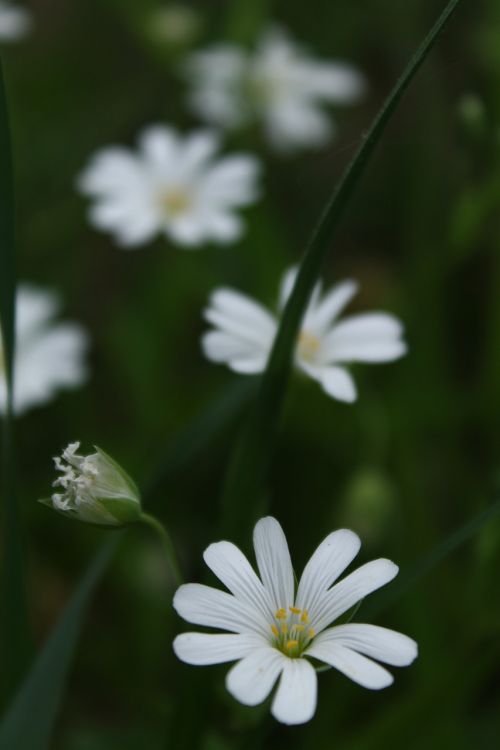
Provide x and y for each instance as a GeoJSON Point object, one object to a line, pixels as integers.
{"type": "Point", "coordinates": [371, 337]}
{"type": "Point", "coordinates": [232, 181]}
{"type": "Point", "coordinates": [224, 347]}
{"type": "Point", "coordinates": [332, 304]}
{"type": "Point", "coordinates": [224, 228]}
{"type": "Point", "coordinates": [378, 643]}
{"type": "Point", "coordinates": [159, 144]}
{"type": "Point", "coordinates": [273, 560]}
{"type": "Point", "coordinates": [240, 314]}
{"type": "Point", "coordinates": [328, 562]}
{"type": "Point", "coordinates": [295, 699]}
{"type": "Point", "coordinates": [204, 605]}
{"type": "Point", "coordinates": [232, 568]}
{"type": "Point", "coordinates": [199, 148]}
{"type": "Point", "coordinates": [202, 649]}
{"type": "Point", "coordinates": [351, 590]}
{"type": "Point", "coordinates": [335, 381]}
{"type": "Point", "coordinates": [252, 679]}
{"type": "Point", "coordinates": [358, 668]}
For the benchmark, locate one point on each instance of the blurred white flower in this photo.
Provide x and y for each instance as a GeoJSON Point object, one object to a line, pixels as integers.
{"type": "Point", "coordinates": [95, 489]}
{"type": "Point", "coordinates": [245, 331]}
{"type": "Point", "coordinates": [173, 186]}
{"type": "Point", "coordinates": [274, 630]}
{"type": "Point", "coordinates": [15, 22]}
{"type": "Point", "coordinates": [49, 355]}
{"type": "Point", "coordinates": [278, 84]}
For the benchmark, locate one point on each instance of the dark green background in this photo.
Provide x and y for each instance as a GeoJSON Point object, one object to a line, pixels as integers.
{"type": "Point", "coordinates": [412, 460]}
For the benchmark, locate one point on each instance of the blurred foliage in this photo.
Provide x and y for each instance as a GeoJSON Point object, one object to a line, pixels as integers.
{"type": "Point", "coordinates": [414, 458]}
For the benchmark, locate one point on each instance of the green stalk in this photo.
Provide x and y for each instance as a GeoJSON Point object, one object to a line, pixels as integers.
{"type": "Point", "coordinates": [167, 544]}
{"type": "Point", "coordinates": [16, 638]}
{"type": "Point", "coordinates": [246, 478]}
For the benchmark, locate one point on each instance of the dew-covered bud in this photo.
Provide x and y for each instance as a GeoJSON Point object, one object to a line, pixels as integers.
{"type": "Point", "coordinates": [94, 489]}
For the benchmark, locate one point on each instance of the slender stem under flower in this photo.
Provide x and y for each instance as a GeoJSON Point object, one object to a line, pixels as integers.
{"type": "Point", "coordinates": [167, 545]}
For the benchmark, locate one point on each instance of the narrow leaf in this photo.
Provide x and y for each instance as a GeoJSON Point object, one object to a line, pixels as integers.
{"type": "Point", "coordinates": [15, 629]}
{"type": "Point", "coordinates": [28, 723]}
{"type": "Point", "coordinates": [248, 469]}
{"type": "Point", "coordinates": [409, 577]}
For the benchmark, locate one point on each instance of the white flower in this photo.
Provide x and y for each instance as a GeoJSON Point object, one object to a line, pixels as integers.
{"type": "Point", "coordinates": [15, 22]}
{"type": "Point", "coordinates": [278, 84]}
{"type": "Point", "coordinates": [274, 630]}
{"type": "Point", "coordinates": [49, 355]}
{"type": "Point", "coordinates": [95, 489]}
{"type": "Point", "coordinates": [245, 331]}
{"type": "Point", "coordinates": [173, 186]}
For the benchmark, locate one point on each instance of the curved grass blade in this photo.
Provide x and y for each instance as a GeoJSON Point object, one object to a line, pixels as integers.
{"type": "Point", "coordinates": [429, 560]}
{"type": "Point", "coordinates": [247, 472]}
{"type": "Point", "coordinates": [16, 638]}
{"type": "Point", "coordinates": [29, 721]}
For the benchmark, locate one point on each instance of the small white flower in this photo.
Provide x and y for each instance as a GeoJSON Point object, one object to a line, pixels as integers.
{"type": "Point", "coordinates": [245, 331]}
{"type": "Point", "coordinates": [15, 22]}
{"type": "Point", "coordinates": [95, 489]}
{"type": "Point", "coordinates": [274, 630]}
{"type": "Point", "coordinates": [278, 84]}
{"type": "Point", "coordinates": [49, 355]}
{"type": "Point", "coordinates": [173, 186]}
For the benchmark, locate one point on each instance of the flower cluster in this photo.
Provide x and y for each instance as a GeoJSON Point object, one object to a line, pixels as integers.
{"type": "Point", "coordinates": [275, 630]}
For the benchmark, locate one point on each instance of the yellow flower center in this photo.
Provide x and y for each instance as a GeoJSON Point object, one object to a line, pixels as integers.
{"type": "Point", "coordinates": [175, 201]}
{"type": "Point", "coordinates": [291, 631]}
{"type": "Point", "coordinates": [308, 346]}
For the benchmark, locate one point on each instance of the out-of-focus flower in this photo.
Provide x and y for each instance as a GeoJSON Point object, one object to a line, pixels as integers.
{"type": "Point", "coordinates": [278, 84]}
{"type": "Point", "coordinates": [274, 630]}
{"type": "Point", "coordinates": [173, 186]}
{"type": "Point", "coordinates": [95, 489]}
{"type": "Point", "coordinates": [245, 331]}
{"type": "Point", "coordinates": [49, 355]}
{"type": "Point", "coordinates": [174, 25]}
{"type": "Point", "coordinates": [15, 22]}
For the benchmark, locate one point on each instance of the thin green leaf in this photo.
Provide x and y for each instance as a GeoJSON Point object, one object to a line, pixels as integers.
{"type": "Point", "coordinates": [429, 560]}
{"type": "Point", "coordinates": [248, 469]}
{"type": "Point", "coordinates": [28, 723]}
{"type": "Point", "coordinates": [15, 629]}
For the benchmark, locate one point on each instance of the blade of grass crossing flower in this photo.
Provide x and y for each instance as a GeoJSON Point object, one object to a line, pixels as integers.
{"type": "Point", "coordinates": [29, 721]}
{"type": "Point", "coordinates": [251, 457]}
{"type": "Point", "coordinates": [16, 641]}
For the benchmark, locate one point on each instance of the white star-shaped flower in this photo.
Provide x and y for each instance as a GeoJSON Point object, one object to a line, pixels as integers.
{"type": "Point", "coordinates": [278, 84]}
{"type": "Point", "coordinates": [245, 331]}
{"type": "Point", "coordinates": [15, 22]}
{"type": "Point", "coordinates": [49, 355]}
{"type": "Point", "coordinates": [174, 186]}
{"type": "Point", "coordinates": [274, 629]}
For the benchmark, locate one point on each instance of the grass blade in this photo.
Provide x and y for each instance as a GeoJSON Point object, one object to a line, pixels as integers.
{"type": "Point", "coordinates": [249, 465]}
{"type": "Point", "coordinates": [29, 720]}
{"type": "Point", "coordinates": [15, 629]}
{"type": "Point", "coordinates": [429, 560]}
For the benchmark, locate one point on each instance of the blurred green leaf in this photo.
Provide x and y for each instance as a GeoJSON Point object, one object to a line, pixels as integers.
{"type": "Point", "coordinates": [15, 629]}
{"type": "Point", "coordinates": [429, 560]}
{"type": "Point", "coordinates": [248, 468]}
{"type": "Point", "coordinates": [29, 722]}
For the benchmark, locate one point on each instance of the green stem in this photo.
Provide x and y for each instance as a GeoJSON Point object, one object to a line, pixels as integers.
{"type": "Point", "coordinates": [168, 546]}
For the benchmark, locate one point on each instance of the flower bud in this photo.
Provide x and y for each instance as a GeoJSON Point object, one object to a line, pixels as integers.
{"type": "Point", "coordinates": [95, 489]}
